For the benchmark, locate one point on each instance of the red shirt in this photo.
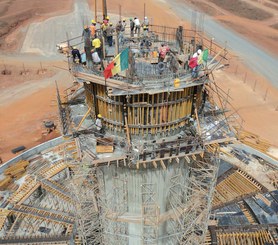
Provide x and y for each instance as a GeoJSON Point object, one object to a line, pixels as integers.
{"type": "Point", "coordinates": [163, 51]}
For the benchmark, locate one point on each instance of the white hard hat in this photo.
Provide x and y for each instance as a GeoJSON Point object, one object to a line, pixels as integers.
{"type": "Point", "coordinates": [199, 51]}
{"type": "Point", "coordinates": [146, 17]}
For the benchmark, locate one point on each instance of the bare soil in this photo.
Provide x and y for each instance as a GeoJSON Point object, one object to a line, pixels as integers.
{"type": "Point", "coordinates": [18, 13]}
{"type": "Point", "coordinates": [242, 9]}
{"type": "Point", "coordinates": [258, 22]}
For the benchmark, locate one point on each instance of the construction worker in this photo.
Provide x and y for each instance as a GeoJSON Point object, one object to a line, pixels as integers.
{"type": "Point", "coordinates": [103, 28]}
{"type": "Point", "coordinates": [146, 21]}
{"type": "Point", "coordinates": [109, 33]}
{"type": "Point", "coordinates": [123, 25]}
{"type": "Point", "coordinates": [137, 25]}
{"type": "Point", "coordinates": [83, 58]}
{"type": "Point", "coordinates": [132, 26]}
{"type": "Point", "coordinates": [195, 62]}
{"type": "Point", "coordinates": [99, 126]}
{"type": "Point", "coordinates": [163, 50]}
{"type": "Point", "coordinates": [145, 47]}
{"type": "Point", "coordinates": [76, 55]}
{"type": "Point", "coordinates": [86, 36]}
{"type": "Point", "coordinates": [119, 28]}
{"type": "Point", "coordinates": [96, 43]}
{"type": "Point", "coordinates": [93, 29]}
{"type": "Point", "coordinates": [145, 30]}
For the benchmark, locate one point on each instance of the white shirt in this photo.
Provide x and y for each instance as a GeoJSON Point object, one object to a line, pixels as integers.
{"type": "Point", "coordinates": [95, 57]}
{"type": "Point", "coordinates": [98, 124]}
{"type": "Point", "coordinates": [137, 22]}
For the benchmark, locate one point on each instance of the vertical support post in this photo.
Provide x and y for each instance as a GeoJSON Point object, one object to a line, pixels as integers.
{"type": "Point", "coordinates": [104, 9]}
{"type": "Point", "coordinates": [116, 44]}
{"type": "Point", "coordinates": [95, 10]}
{"type": "Point", "coordinates": [144, 10]}
{"type": "Point", "coordinates": [68, 43]}
{"type": "Point", "coordinates": [103, 48]}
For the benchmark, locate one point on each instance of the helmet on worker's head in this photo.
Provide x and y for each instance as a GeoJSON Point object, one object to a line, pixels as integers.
{"type": "Point", "coordinates": [199, 51]}
{"type": "Point", "coordinates": [124, 20]}
{"type": "Point", "coordinates": [107, 18]}
{"type": "Point", "coordinates": [130, 19]}
{"type": "Point", "coordinates": [111, 24]}
{"type": "Point", "coordinates": [93, 22]}
{"type": "Point", "coordinates": [99, 116]}
{"type": "Point", "coordinates": [74, 47]}
{"type": "Point", "coordinates": [146, 17]}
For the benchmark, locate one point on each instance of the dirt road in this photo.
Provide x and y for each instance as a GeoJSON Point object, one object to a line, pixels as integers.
{"type": "Point", "coordinates": [255, 57]}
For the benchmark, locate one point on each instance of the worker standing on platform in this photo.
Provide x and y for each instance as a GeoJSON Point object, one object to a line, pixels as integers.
{"type": "Point", "coordinates": [96, 43]}
{"type": "Point", "coordinates": [76, 56]}
{"type": "Point", "coordinates": [194, 64]}
{"type": "Point", "coordinates": [93, 29]}
{"type": "Point", "coordinates": [132, 26]}
{"type": "Point", "coordinates": [119, 28]}
{"type": "Point", "coordinates": [109, 33]}
{"type": "Point", "coordinates": [104, 28]}
{"type": "Point", "coordinates": [137, 25]}
{"type": "Point", "coordinates": [99, 126]}
{"type": "Point", "coordinates": [86, 36]}
{"type": "Point", "coordinates": [146, 21]}
{"type": "Point", "coordinates": [163, 50]}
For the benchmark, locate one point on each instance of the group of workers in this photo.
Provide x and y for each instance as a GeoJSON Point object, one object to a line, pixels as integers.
{"type": "Point", "coordinates": [92, 37]}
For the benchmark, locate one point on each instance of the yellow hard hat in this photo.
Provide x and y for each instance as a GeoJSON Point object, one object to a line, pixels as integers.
{"type": "Point", "coordinates": [74, 47]}
{"type": "Point", "coordinates": [107, 17]}
{"type": "Point", "coordinates": [93, 22]}
{"type": "Point", "coordinates": [99, 116]}
{"type": "Point", "coordinates": [124, 19]}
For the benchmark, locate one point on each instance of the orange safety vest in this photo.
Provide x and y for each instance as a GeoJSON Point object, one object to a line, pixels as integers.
{"type": "Point", "coordinates": [93, 30]}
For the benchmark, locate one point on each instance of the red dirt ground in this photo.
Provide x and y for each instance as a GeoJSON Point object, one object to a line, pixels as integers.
{"type": "Point", "coordinates": [21, 117]}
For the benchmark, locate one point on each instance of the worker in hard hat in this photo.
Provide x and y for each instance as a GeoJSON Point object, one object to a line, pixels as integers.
{"type": "Point", "coordinates": [146, 21]}
{"type": "Point", "coordinates": [86, 36]}
{"type": "Point", "coordinates": [109, 34]}
{"type": "Point", "coordinates": [137, 25]}
{"type": "Point", "coordinates": [145, 30]}
{"type": "Point", "coordinates": [163, 50]}
{"type": "Point", "coordinates": [93, 29]}
{"type": "Point", "coordinates": [123, 25]}
{"type": "Point", "coordinates": [96, 43]}
{"type": "Point", "coordinates": [132, 26]}
{"type": "Point", "coordinates": [103, 27]}
{"type": "Point", "coordinates": [99, 126]}
{"type": "Point", "coordinates": [76, 55]}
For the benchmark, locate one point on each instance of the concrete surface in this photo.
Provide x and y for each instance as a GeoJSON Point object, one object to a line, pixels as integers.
{"type": "Point", "coordinates": [42, 37]}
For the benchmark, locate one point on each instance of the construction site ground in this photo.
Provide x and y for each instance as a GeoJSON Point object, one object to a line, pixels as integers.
{"type": "Point", "coordinates": [28, 99]}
